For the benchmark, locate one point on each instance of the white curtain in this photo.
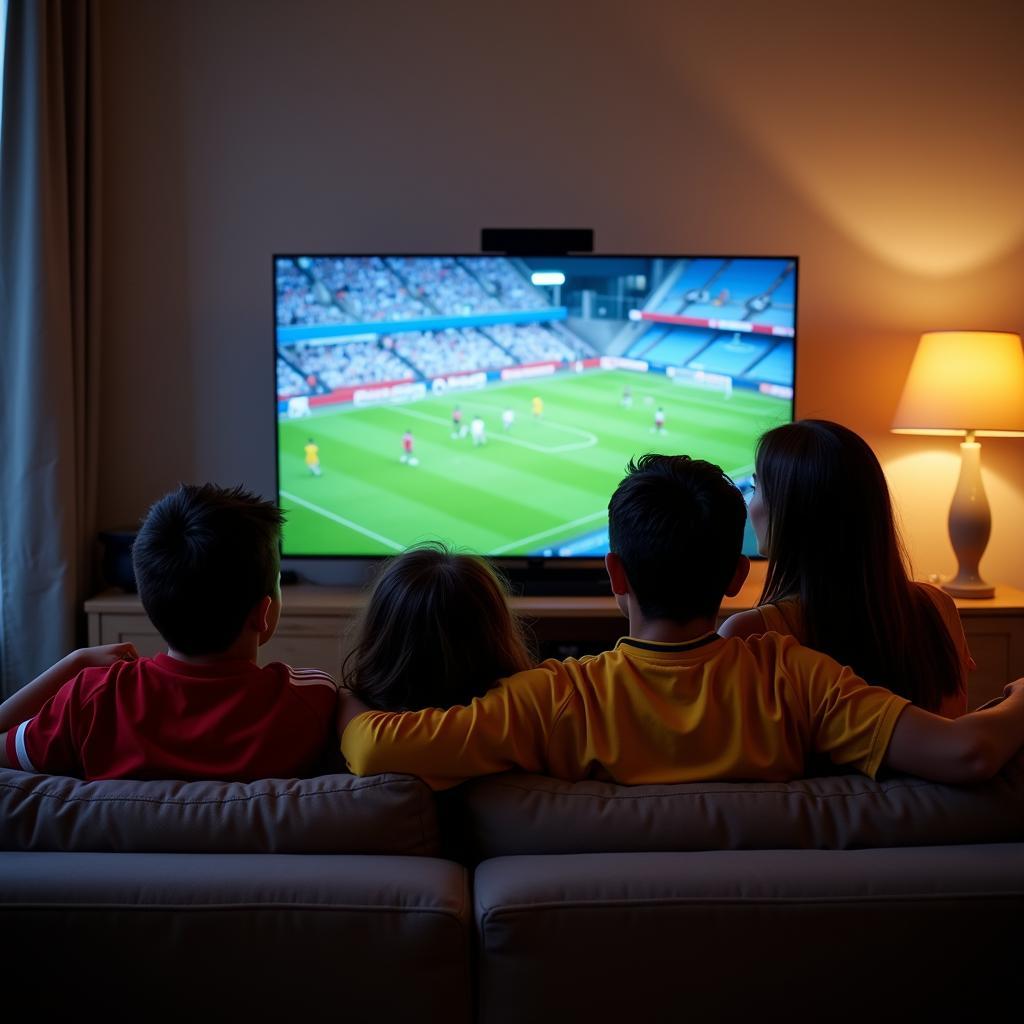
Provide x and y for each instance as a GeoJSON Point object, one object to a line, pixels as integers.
{"type": "Point", "coordinates": [49, 337]}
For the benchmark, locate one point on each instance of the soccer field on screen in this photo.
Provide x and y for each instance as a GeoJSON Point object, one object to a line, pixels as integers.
{"type": "Point", "coordinates": [538, 488]}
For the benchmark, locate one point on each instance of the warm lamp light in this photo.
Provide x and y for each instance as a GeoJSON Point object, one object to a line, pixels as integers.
{"type": "Point", "coordinates": [966, 383]}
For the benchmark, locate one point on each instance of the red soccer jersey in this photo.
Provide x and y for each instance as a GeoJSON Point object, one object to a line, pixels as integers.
{"type": "Point", "coordinates": [407, 442]}
{"type": "Point", "coordinates": [161, 718]}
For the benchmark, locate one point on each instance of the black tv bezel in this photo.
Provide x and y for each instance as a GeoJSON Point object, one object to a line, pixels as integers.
{"type": "Point", "coordinates": [519, 568]}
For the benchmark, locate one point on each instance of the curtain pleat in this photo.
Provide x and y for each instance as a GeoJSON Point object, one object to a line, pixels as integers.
{"type": "Point", "coordinates": [49, 330]}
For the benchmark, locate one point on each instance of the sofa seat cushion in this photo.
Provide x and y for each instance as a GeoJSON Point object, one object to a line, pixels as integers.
{"type": "Point", "coordinates": [393, 814]}
{"type": "Point", "coordinates": [924, 933]}
{"type": "Point", "coordinates": [222, 937]}
{"type": "Point", "coordinates": [529, 814]}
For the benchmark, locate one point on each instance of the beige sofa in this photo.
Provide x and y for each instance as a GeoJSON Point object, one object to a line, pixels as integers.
{"type": "Point", "coordinates": [510, 899]}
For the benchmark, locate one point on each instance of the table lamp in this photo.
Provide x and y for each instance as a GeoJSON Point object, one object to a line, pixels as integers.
{"type": "Point", "coordinates": [971, 384]}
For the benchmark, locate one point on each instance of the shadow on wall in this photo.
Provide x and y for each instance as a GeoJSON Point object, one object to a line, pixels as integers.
{"type": "Point", "coordinates": [895, 120]}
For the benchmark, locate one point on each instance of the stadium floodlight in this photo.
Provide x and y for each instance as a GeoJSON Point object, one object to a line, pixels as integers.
{"type": "Point", "coordinates": [548, 277]}
{"type": "Point", "coordinates": [968, 384]}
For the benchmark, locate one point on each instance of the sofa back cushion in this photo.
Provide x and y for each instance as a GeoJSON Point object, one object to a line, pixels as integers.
{"type": "Point", "coordinates": [529, 814]}
{"type": "Point", "coordinates": [393, 814]}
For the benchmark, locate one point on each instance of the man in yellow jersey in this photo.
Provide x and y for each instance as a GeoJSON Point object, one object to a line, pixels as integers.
{"type": "Point", "coordinates": [674, 701]}
{"type": "Point", "coordinates": [538, 406]}
{"type": "Point", "coordinates": [312, 450]}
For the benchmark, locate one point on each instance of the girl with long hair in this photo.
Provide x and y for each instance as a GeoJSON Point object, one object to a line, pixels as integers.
{"type": "Point", "coordinates": [837, 571]}
{"type": "Point", "coordinates": [437, 632]}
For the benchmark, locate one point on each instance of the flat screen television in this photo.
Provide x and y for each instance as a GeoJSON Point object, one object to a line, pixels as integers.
{"type": "Point", "coordinates": [492, 402]}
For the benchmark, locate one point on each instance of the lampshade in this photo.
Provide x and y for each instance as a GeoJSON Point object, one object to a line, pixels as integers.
{"type": "Point", "coordinates": [964, 381]}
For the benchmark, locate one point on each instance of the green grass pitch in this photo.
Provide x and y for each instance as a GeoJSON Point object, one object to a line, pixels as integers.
{"type": "Point", "coordinates": [541, 484]}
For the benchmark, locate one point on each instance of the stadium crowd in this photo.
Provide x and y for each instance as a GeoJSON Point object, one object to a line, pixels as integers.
{"type": "Point", "coordinates": [533, 343]}
{"type": "Point", "coordinates": [435, 353]}
{"type": "Point", "coordinates": [366, 289]}
{"type": "Point", "coordinates": [446, 285]}
{"type": "Point", "coordinates": [297, 302]}
{"type": "Point", "coordinates": [344, 364]}
{"type": "Point", "coordinates": [289, 381]}
{"type": "Point", "coordinates": [500, 279]}
{"type": "Point", "coordinates": [358, 289]}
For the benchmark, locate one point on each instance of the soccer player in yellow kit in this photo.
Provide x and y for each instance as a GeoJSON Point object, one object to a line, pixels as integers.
{"type": "Point", "coordinates": [313, 457]}
{"type": "Point", "coordinates": [674, 701]}
{"type": "Point", "coordinates": [538, 406]}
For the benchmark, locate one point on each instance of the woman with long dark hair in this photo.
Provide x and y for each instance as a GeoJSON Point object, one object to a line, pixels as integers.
{"type": "Point", "coordinates": [437, 632]}
{"type": "Point", "coordinates": [837, 571]}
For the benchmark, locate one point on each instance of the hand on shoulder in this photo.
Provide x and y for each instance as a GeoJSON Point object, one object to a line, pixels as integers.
{"type": "Point", "coordinates": [102, 656]}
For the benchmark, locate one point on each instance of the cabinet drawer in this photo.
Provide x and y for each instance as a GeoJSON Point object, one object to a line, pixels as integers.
{"type": "Point", "coordinates": [310, 641]}
{"type": "Point", "coordinates": [135, 629]}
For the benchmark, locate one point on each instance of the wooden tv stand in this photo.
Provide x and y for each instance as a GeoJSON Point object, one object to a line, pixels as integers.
{"type": "Point", "coordinates": [316, 624]}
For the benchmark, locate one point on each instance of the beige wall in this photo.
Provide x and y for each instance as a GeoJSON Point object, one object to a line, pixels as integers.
{"type": "Point", "coordinates": [881, 142]}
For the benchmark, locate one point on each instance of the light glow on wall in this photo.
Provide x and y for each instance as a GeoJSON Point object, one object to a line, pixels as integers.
{"type": "Point", "coordinates": [920, 160]}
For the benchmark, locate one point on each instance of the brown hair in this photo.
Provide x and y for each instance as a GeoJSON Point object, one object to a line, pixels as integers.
{"type": "Point", "coordinates": [437, 631]}
{"type": "Point", "coordinates": [832, 542]}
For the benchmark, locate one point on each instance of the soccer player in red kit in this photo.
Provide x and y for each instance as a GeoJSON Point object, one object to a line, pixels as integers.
{"type": "Point", "coordinates": [407, 455]}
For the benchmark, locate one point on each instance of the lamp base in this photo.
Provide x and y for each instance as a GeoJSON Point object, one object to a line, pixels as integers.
{"type": "Point", "coordinates": [977, 589]}
{"type": "Point", "coordinates": [970, 523]}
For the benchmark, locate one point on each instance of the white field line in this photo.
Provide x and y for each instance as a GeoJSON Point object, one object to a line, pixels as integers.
{"type": "Point", "coordinates": [547, 533]}
{"type": "Point", "coordinates": [591, 439]}
{"type": "Point", "coordinates": [343, 521]}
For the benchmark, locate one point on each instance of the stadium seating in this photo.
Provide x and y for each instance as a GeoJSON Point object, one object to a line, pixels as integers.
{"type": "Point", "coordinates": [732, 354]}
{"type": "Point", "coordinates": [723, 290]}
{"type": "Point", "coordinates": [501, 280]}
{"type": "Point", "coordinates": [697, 274]}
{"type": "Point", "coordinates": [435, 353]}
{"type": "Point", "coordinates": [289, 381]}
{"type": "Point", "coordinates": [738, 283]}
{"type": "Point", "coordinates": [367, 289]}
{"type": "Point", "coordinates": [776, 367]}
{"type": "Point", "coordinates": [679, 345]}
{"type": "Point", "coordinates": [344, 364]}
{"type": "Point", "coordinates": [534, 343]}
{"type": "Point", "coordinates": [380, 291]}
{"type": "Point", "coordinates": [297, 301]}
{"type": "Point", "coordinates": [445, 284]}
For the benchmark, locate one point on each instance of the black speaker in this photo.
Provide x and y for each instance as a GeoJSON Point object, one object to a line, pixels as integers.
{"type": "Point", "coordinates": [537, 241]}
{"type": "Point", "coordinates": [116, 567]}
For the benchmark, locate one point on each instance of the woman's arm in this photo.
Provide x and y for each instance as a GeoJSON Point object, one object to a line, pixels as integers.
{"type": "Point", "coordinates": [968, 749]}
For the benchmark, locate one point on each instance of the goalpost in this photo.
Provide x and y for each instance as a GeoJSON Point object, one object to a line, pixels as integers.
{"type": "Point", "coordinates": [706, 381]}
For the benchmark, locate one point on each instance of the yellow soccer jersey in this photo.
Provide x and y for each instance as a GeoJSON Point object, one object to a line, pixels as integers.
{"type": "Point", "coordinates": [711, 709]}
{"type": "Point", "coordinates": [312, 454]}
{"type": "Point", "coordinates": [538, 406]}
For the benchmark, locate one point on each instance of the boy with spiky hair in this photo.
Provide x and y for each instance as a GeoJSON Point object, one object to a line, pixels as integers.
{"type": "Point", "coordinates": [207, 564]}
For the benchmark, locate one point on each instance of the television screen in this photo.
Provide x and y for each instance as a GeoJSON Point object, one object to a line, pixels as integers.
{"type": "Point", "coordinates": [493, 402]}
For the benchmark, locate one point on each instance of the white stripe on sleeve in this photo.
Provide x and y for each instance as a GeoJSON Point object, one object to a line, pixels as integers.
{"type": "Point", "coordinates": [19, 748]}
{"type": "Point", "coordinates": [310, 677]}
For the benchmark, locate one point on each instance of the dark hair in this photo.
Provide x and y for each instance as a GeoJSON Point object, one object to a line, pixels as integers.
{"type": "Point", "coordinates": [677, 524]}
{"type": "Point", "coordinates": [437, 631]}
{"type": "Point", "coordinates": [204, 558]}
{"type": "Point", "coordinates": [832, 541]}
